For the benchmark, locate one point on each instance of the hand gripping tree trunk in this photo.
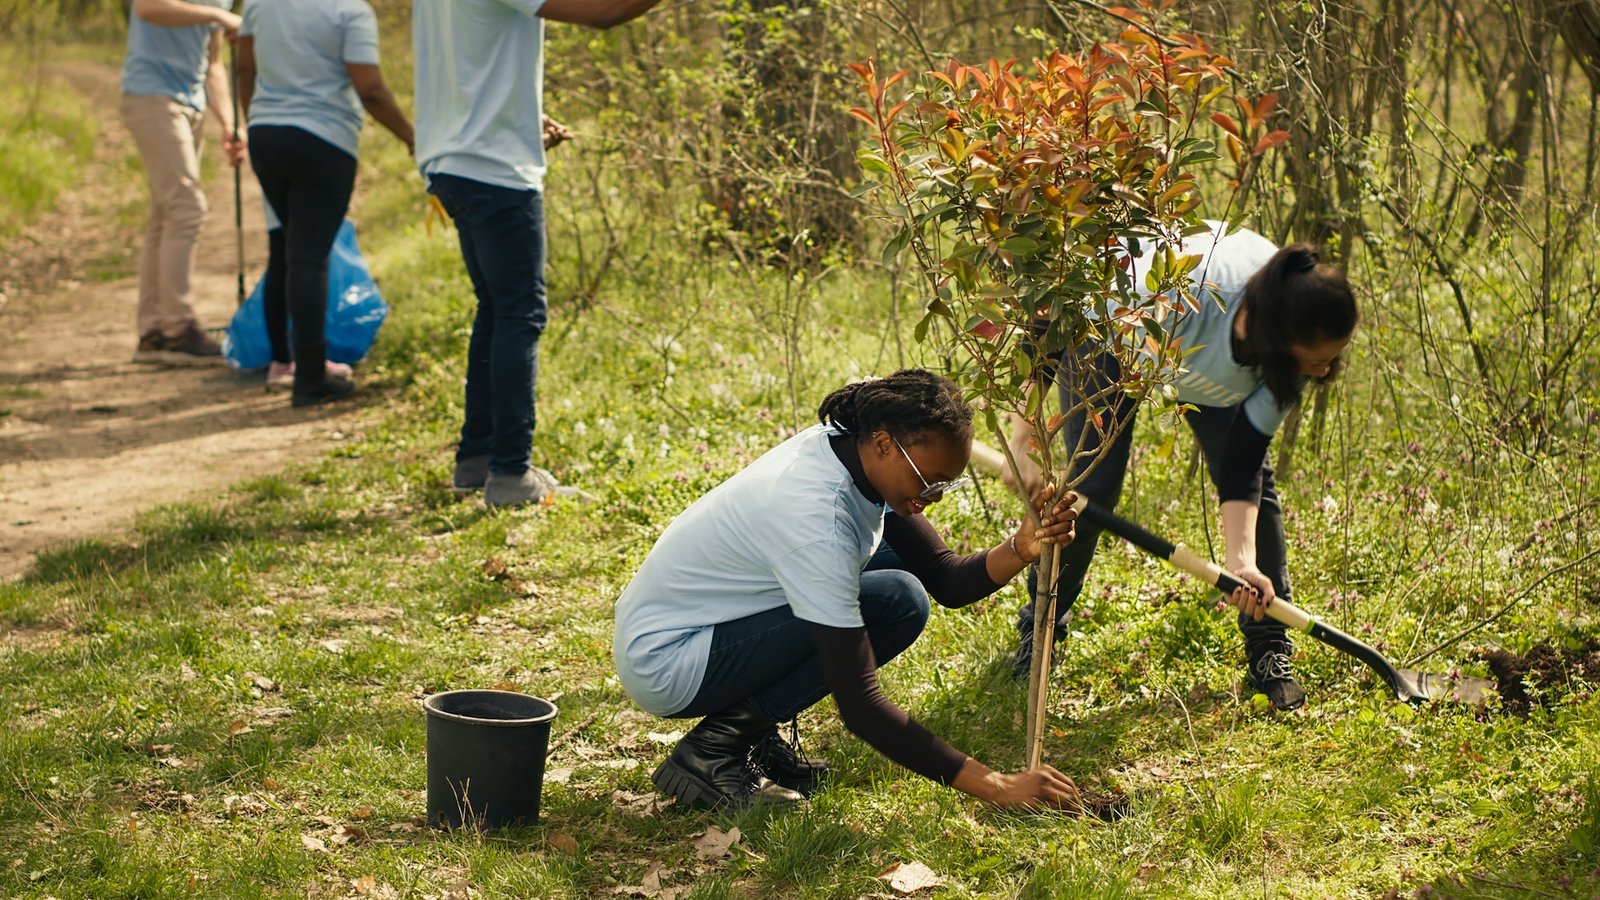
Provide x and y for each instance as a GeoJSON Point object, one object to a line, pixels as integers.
{"type": "Point", "coordinates": [1021, 193]}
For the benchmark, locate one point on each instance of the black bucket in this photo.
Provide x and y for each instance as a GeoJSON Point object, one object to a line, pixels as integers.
{"type": "Point", "coordinates": [486, 757]}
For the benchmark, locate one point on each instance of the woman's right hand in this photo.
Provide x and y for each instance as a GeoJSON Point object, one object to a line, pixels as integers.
{"type": "Point", "coordinates": [1040, 787]}
{"type": "Point", "coordinates": [1035, 788]}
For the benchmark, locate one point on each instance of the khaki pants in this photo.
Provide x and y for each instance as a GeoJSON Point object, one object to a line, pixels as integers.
{"type": "Point", "coordinates": [169, 137]}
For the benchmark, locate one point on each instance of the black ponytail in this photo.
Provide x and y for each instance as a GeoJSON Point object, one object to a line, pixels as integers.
{"type": "Point", "coordinates": [911, 405]}
{"type": "Point", "coordinates": [1294, 300]}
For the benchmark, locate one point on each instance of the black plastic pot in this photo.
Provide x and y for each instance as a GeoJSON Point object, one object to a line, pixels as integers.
{"type": "Point", "coordinates": [486, 757]}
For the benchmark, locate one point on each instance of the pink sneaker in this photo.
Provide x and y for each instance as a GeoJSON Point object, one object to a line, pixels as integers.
{"type": "Point", "coordinates": [280, 376]}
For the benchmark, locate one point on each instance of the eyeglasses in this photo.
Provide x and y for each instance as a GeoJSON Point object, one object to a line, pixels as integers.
{"type": "Point", "coordinates": [931, 491]}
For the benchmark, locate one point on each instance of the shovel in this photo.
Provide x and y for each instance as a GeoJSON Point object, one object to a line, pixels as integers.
{"type": "Point", "coordinates": [1408, 684]}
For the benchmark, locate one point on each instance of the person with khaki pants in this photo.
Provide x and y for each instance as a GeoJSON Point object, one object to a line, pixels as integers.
{"type": "Point", "coordinates": [172, 74]}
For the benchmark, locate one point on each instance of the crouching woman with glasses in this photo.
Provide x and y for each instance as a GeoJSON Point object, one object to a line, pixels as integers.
{"type": "Point", "coordinates": [802, 575]}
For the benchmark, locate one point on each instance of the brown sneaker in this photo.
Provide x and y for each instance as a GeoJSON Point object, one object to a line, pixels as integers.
{"type": "Point", "coordinates": [152, 347]}
{"type": "Point", "coordinates": [190, 347]}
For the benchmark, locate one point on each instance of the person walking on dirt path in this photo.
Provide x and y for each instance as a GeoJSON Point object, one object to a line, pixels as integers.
{"type": "Point", "coordinates": [173, 73]}
{"type": "Point", "coordinates": [305, 70]}
{"type": "Point", "coordinates": [481, 140]}
{"type": "Point", "coordinates": [1267, 322]}
{"type": "Point", "coordinates": [798, 578]}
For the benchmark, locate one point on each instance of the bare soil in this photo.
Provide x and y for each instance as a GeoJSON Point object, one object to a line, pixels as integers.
{"type": "Point", "coordinates": [88, 439]}
{"type": "Point", "coordinates": [1544, 674]}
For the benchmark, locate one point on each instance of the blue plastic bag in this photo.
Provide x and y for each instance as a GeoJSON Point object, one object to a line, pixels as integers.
{"type": "Point", "coordinates": [355, 311]}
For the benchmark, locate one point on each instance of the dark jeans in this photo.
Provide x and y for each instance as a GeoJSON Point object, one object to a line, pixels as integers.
{"type": "Point", "coordinates": [502, 242]}
{"type": "Point", "coordinates": [308, 182]}
{"type": "Point", "coordinates": [771, 658]}
{"type": "Point", "coordinates": [1104, 488]}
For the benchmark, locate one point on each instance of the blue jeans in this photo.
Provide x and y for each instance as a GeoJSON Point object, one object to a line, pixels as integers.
{"type": "Point", "coordinates": [770, 658]}
{"type": "Point", "coordinates": [502, 242]}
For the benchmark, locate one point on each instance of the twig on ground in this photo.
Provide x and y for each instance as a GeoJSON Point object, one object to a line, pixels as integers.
{"type": "Point", "coordinates": [571, 733]}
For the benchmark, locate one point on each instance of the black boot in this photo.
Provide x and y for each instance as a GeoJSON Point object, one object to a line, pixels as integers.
{"type": "Point", "coordinates": [313, 383]}
{"type": "Point", "coordinates": [782, 762]}
{"type": "Point", "coordinates": [711, 765]}
{"type": "Point", "coordinates": [1273, 675]}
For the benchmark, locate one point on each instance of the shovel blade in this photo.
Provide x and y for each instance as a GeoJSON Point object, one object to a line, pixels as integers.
{"type": "Point", "coordinates": [1428, 686]}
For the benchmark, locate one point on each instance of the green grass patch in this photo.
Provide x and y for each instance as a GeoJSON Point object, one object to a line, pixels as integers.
{"type": "Point", "coordinates": [317, 606]}
{"type": "Point", "coordinates": [47, 135]}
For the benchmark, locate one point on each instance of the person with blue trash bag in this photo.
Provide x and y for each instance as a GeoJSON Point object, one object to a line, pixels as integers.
{"type": "Point", "coordinates": [481, 140]}
{"type": "Point", "coordinates": [305, 70]}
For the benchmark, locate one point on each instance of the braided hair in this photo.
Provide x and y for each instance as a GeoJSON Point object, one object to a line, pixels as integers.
{"type": "Point", "coordinates": [911, 404]}
{"type": "Point", "coordinates": [1294, 300]}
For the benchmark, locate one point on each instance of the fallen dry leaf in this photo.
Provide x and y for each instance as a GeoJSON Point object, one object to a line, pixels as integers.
{"type": "Point", "coordinates": [562, 842]}
{"type": "Point", "coordinates": [238, 727]}
{"type": "Point", "coordinates": [716, 843]}
{"type": "Point", "coordinates": [314, 844]}
{"type": "Point", "coordinates": [511, 686]}
{"type": "Point", "coordinates": [630, 804]}
{"type": "Point", "coordinates": [334, 645]}
{"type": "Point", "coordinates": [909, 878]}
{"type": "Point", "coordinates": [361, 812]}
{"type": "Point", "coordinates": [261, 682]}
{"type": "Point", "coordinates": [650, 886]}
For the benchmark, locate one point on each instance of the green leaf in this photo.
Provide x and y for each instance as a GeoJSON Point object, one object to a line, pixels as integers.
{"type": "Point", "coordinates": [864, 188]}
{"type": "Point", "coordinates": [891, 251]}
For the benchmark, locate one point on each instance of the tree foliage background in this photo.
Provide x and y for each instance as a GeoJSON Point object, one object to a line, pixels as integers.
{"type": "Point", "coordinates": [1443, 150]}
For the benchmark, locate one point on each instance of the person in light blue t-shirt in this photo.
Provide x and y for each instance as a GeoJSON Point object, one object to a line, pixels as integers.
{"type": "Point", "coordinates": [306, 68]}
{"type": "Point", "coordinates": [173, 73]}
{"type": "Point", "coordinates": [1267, 322]}
{"type": "Point", "coordinates": [481, 140]}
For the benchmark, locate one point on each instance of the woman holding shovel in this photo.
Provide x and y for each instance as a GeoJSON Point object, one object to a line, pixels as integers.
{"type": "Point", "coordinates": [1268, 321]}
{"type": "Point", "coordinates": [802, 575]}
{"type": "Point", "coordinates": [305, 70]}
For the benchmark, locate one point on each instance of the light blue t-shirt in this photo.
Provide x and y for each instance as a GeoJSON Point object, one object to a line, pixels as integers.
{"type": "Point", "coordinates": [301, 49]}
{"type": "Point", "coordinates": [480, 90]}
{"type": "Point", "coordinates": [1210, 376]}
{"type": "Point", "coordinates": [169, 62]}
{"type": "Point", "coordinates": [790, 529]}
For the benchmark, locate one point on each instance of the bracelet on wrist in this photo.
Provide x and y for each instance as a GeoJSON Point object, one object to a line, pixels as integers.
{"type": "Point", "coordinates": [1018, 553]}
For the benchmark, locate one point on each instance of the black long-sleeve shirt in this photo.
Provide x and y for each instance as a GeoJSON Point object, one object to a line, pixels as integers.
{"type": "Point", "coordinates": [848, 663]}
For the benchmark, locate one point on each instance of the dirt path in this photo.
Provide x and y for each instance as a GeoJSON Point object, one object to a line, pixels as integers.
{"type": "Point", "coordinates": [90, 439]}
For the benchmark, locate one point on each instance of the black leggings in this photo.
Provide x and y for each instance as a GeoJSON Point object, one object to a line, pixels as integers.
{"type": "Point", "coordinates": [308, 182]}
{"type": "Point", "coordinates": [1104, 487]}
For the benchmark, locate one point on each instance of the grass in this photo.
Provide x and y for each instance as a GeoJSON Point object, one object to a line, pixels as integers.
{"type": "Point", "coordinates": [317, 606]}
{"type": "Point", "coordinates": [47, 134]}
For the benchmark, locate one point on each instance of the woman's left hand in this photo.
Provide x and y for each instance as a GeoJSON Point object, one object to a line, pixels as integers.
{"type": "Point", "coordinates": [1252, 603]}
{"type": "Point", "coordinates": [1056, 526]}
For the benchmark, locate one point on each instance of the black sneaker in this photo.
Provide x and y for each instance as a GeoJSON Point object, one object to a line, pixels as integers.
{"type": "Point", "coordinates": [1022, 656]}
{"type": "Point", "coordinates": [1274, 676]}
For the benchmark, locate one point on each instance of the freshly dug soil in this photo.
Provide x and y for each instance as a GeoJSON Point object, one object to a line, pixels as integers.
{"type": "Point", "coordinates": [1557, 673]}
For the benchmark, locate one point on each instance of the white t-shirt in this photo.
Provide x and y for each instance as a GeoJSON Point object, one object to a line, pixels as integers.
{"type": "Point", "coordinates": [302, 48]}
{"type": "Point", "coordinates": [1210, 376]}
{"type": "Point", "coordinates": [790, 529]}
{"type": "Point", "coordinates": [480, 90]}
